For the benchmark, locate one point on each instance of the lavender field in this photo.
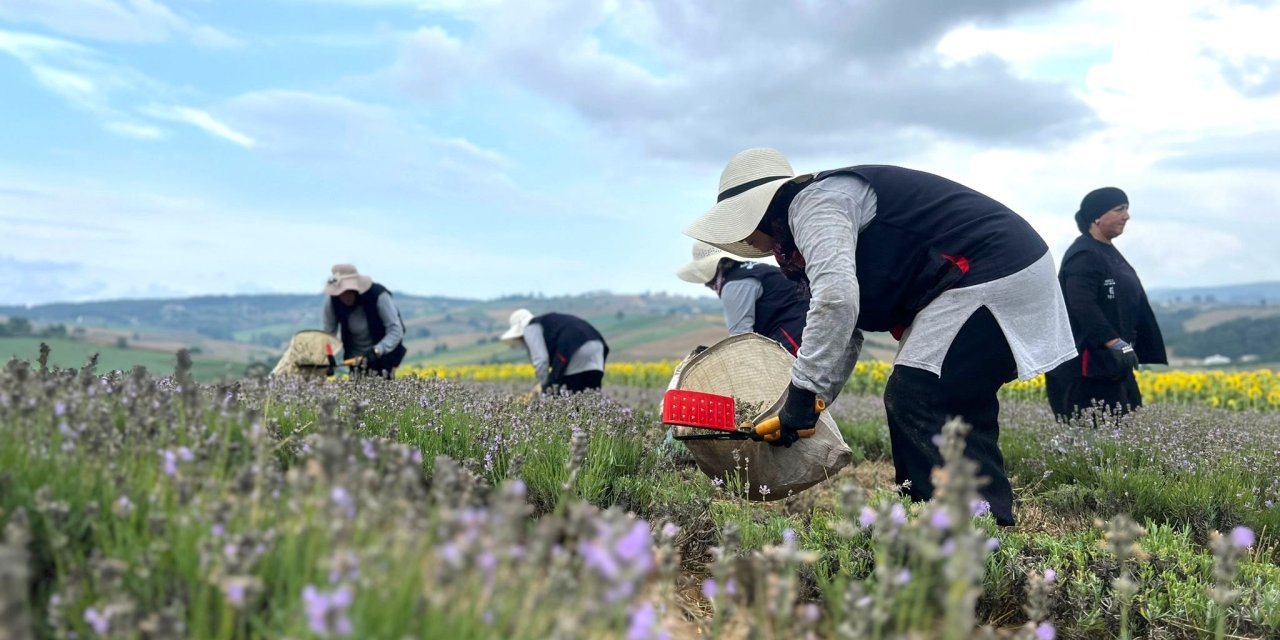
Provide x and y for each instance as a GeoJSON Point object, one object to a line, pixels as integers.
{"type": "Point", "coordinates": [142, 507]}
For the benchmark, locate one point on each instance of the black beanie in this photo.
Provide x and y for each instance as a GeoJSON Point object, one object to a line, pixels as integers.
{"type": "Point", "coordinates": [1098, 202]}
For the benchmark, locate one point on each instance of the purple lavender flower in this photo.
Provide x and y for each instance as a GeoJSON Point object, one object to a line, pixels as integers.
{"type": "Point", "coordinates": [170, 463]}
{"type": "Point", "coordinates": [867, 517]}
{"type": "Point", "coordinates": [710, 588]}
{"type": "Point", "coordinates": [903, 577]}
{"type": "Point", "coordinates": [898, 515]}
{"type": "Point", "coordinates": [1050, 576]}
{"type": "Point", "coordinates": [1242, 537]}
{"type": "Point", "coordinates": [101, 622]}
{"type": "Point", "coordinates": [643, 621]}
{"type": "Point", "coordinates": [940, 520]}
{"type": "Point", "coordinates": [1045, 631]}
{"type": "Point", "coordinates": [981, 508]}
{"type": "Point", "coordinates": [59, 409]}
{"type": "Point", "coordinates": [788, 536]}
{"type": "Point", "coordinates": [184, 454]}
{"type": "Point", "coordinates": [235, 592]}
{"type": "Point", "coordinates": [764, 490]}
{"type": "Point", "coordinates": [326, 610]}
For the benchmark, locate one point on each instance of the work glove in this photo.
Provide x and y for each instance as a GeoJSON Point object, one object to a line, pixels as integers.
{"type": "Point", "coordinates": [367, 359]}
{"type": "Point", "coordinates": [1125, 353]}
{"type": "Point", "coordinates": [798, 417]}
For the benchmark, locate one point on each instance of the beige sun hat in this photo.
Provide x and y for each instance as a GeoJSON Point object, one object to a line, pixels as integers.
{"type": "Point", "coordinates": [345, 278]}
{"type": "Point", "coordinates": [703, 266]}
{"type": "Point", "coordinates": [747, 185]}
{"type": "Point", "coordinates": [520, 319]}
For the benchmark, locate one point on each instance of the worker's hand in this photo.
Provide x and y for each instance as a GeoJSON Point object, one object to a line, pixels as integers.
{"type": "Point", "coordinates": [798, 417]}
{"type": "Point", "coordinates": [528, 397]}
{"type": "Point", "coordinates": [1125, 353]}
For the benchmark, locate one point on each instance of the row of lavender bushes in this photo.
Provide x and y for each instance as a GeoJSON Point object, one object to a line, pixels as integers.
{"type": "Point", "coordinates": [159, 508]}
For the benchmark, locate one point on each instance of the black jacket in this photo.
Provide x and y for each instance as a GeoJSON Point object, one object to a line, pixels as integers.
{"type": "Point", "coordinates": [781, 308]}
{"type": "Point", "coordinates": [564, 335]}
{"type": "Point", "coordinates": [1105, 300]}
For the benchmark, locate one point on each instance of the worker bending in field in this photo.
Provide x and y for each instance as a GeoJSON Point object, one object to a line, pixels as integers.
{"type": "Point", "coordinates": [757, 297]}
{"type": "Point", "coordinates": [566, 351]}
{"type": "Point", "coordinates": [362, 313]}
{"type": "Point", "coordinates": [963, 282]}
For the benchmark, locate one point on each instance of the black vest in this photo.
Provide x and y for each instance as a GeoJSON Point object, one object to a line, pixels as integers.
{"type": "Point", "coordinates": [369, 302]}
{"type": "Point", "coordinates": [929, 235]}
{"type": "Point", "coordinates": [781, 309]}
{"type": "Point", "coordinates": [564, 335]}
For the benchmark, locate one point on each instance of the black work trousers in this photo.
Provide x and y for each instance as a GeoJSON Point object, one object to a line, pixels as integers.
{"type": "Point", "coordinates": [1071, 396]}
{"type": "Point", "coordinates": [918, 403]}
{"type": "Point", "coordinates": [582, 381]}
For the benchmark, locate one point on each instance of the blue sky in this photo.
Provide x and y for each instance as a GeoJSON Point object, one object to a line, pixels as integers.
{"type": "Point", "coordinates": [477, 148]}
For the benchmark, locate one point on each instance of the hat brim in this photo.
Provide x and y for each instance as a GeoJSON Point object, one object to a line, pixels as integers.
{"type": "Point", "coordinates": [702, 270]}
{"type": "Point", "coordinates": [516, 332]}
{"type": "Point", "coordinates": [359, 283]}
{"type": "Point", "coordinates": [728, 224]}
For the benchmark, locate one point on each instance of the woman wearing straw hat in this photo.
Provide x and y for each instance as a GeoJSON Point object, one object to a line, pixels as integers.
{"type": "Point", "coordinates": [371, 328]}
{"type": "Point", "coordinates": [1114, 325]}
{"type": "Point", "coordinates": [566, 351]}
{"type": "Point", "coordinates": [756, 296]}
{"type": "Point", "coordinates": [964, 283]}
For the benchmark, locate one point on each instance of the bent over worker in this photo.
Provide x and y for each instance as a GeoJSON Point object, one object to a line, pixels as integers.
{"type": "Point", "coordinates": [372, 331]}
{"type": "Point", "coordinates": [757, 297]}
{"type": "Point", "coordinates": [963, 282]}
{"type": "Point", "coordinates": [566, 351]}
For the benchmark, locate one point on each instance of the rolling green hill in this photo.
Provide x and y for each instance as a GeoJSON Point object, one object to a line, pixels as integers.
{"type": "Point", "coordinates": [67, 353]}
{"type": "Point", "coordinates": [227, 333]}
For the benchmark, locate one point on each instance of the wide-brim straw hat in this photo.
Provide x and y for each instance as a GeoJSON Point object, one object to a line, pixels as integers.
{"type": "Point", "coordinates": [706, 258]}
{"type": "Point", "coordinates": [747, 186]}
{"type": "Point", "coordinates": [520, 319]}
{"type": "Point", "coordinates": [344, 277]}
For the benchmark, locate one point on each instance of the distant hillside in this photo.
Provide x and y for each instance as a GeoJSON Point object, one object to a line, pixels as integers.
{"type": "Point", "coordinates": [1257, 293]}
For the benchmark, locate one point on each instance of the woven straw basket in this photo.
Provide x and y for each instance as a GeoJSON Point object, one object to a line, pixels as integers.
{"type": "Point", "coordinates": [755, 369]}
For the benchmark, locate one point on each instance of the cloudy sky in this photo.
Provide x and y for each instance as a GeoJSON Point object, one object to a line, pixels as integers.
{"type": "Point", "coordinates": [476, 148]}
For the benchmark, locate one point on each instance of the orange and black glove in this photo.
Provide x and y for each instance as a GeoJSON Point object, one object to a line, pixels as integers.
{"type": "Point", "coordinates": [797, 419]}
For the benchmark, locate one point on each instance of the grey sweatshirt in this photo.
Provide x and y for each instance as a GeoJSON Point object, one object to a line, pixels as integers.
{"type": "Point", "coordinates": [739, 298]}
{"type": "Point", "coordinates": [358, 325]}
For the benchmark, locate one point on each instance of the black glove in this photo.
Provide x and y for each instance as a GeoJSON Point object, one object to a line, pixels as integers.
{"type": "Point", "coordinates": [799, 412]}
{"type": "Point", "coordinates": [370, 359]}
{"type": "Point", "coordinates": [1125, 354]}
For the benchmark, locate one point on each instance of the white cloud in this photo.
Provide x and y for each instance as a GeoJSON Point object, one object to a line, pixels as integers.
{"type": "Point", "coordinates": [136, 130]}
{"type": "Point", "coordinates": [201, 120]}
{"type": "Point", "coordinates": [133, 238]}
{"type": "Point", "coordinates": [112, 20]}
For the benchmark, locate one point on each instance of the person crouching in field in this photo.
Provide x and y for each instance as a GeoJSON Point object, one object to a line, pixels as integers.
{"type": "Point", "coordinates": [757, 297]}
{"type": "Point", "coordinates": [1115, 328]}
{"type": "Point", "coordinates": [964, 283]}
{"type": "Point", "coordinates": [566, 351]}
{"type": "Point", "coordinates": [370, 326]}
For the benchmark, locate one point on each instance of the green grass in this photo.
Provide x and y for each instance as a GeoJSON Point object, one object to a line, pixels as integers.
{"type": "Point", "coordinates": [70, 354]}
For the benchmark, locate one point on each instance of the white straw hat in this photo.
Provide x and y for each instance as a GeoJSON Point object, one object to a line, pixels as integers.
{"type": "Point", "coordinates": [747, 186]}
{"type": "Point", "coordinates": [705, 260]}
{"type": "Point", "coordinates": [344, 277]}
{"type": "Point", "coordinates": [519, 320]}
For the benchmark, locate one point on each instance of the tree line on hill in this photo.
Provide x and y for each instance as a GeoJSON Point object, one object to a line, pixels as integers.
{"type": "Point", "coordinates": [20, 327]}
{"type": "Point", "coordinates": [1258, 337]}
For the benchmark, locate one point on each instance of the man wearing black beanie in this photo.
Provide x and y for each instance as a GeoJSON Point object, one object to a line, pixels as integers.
{"type": "Point", "coordinates": [1111, 319]}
